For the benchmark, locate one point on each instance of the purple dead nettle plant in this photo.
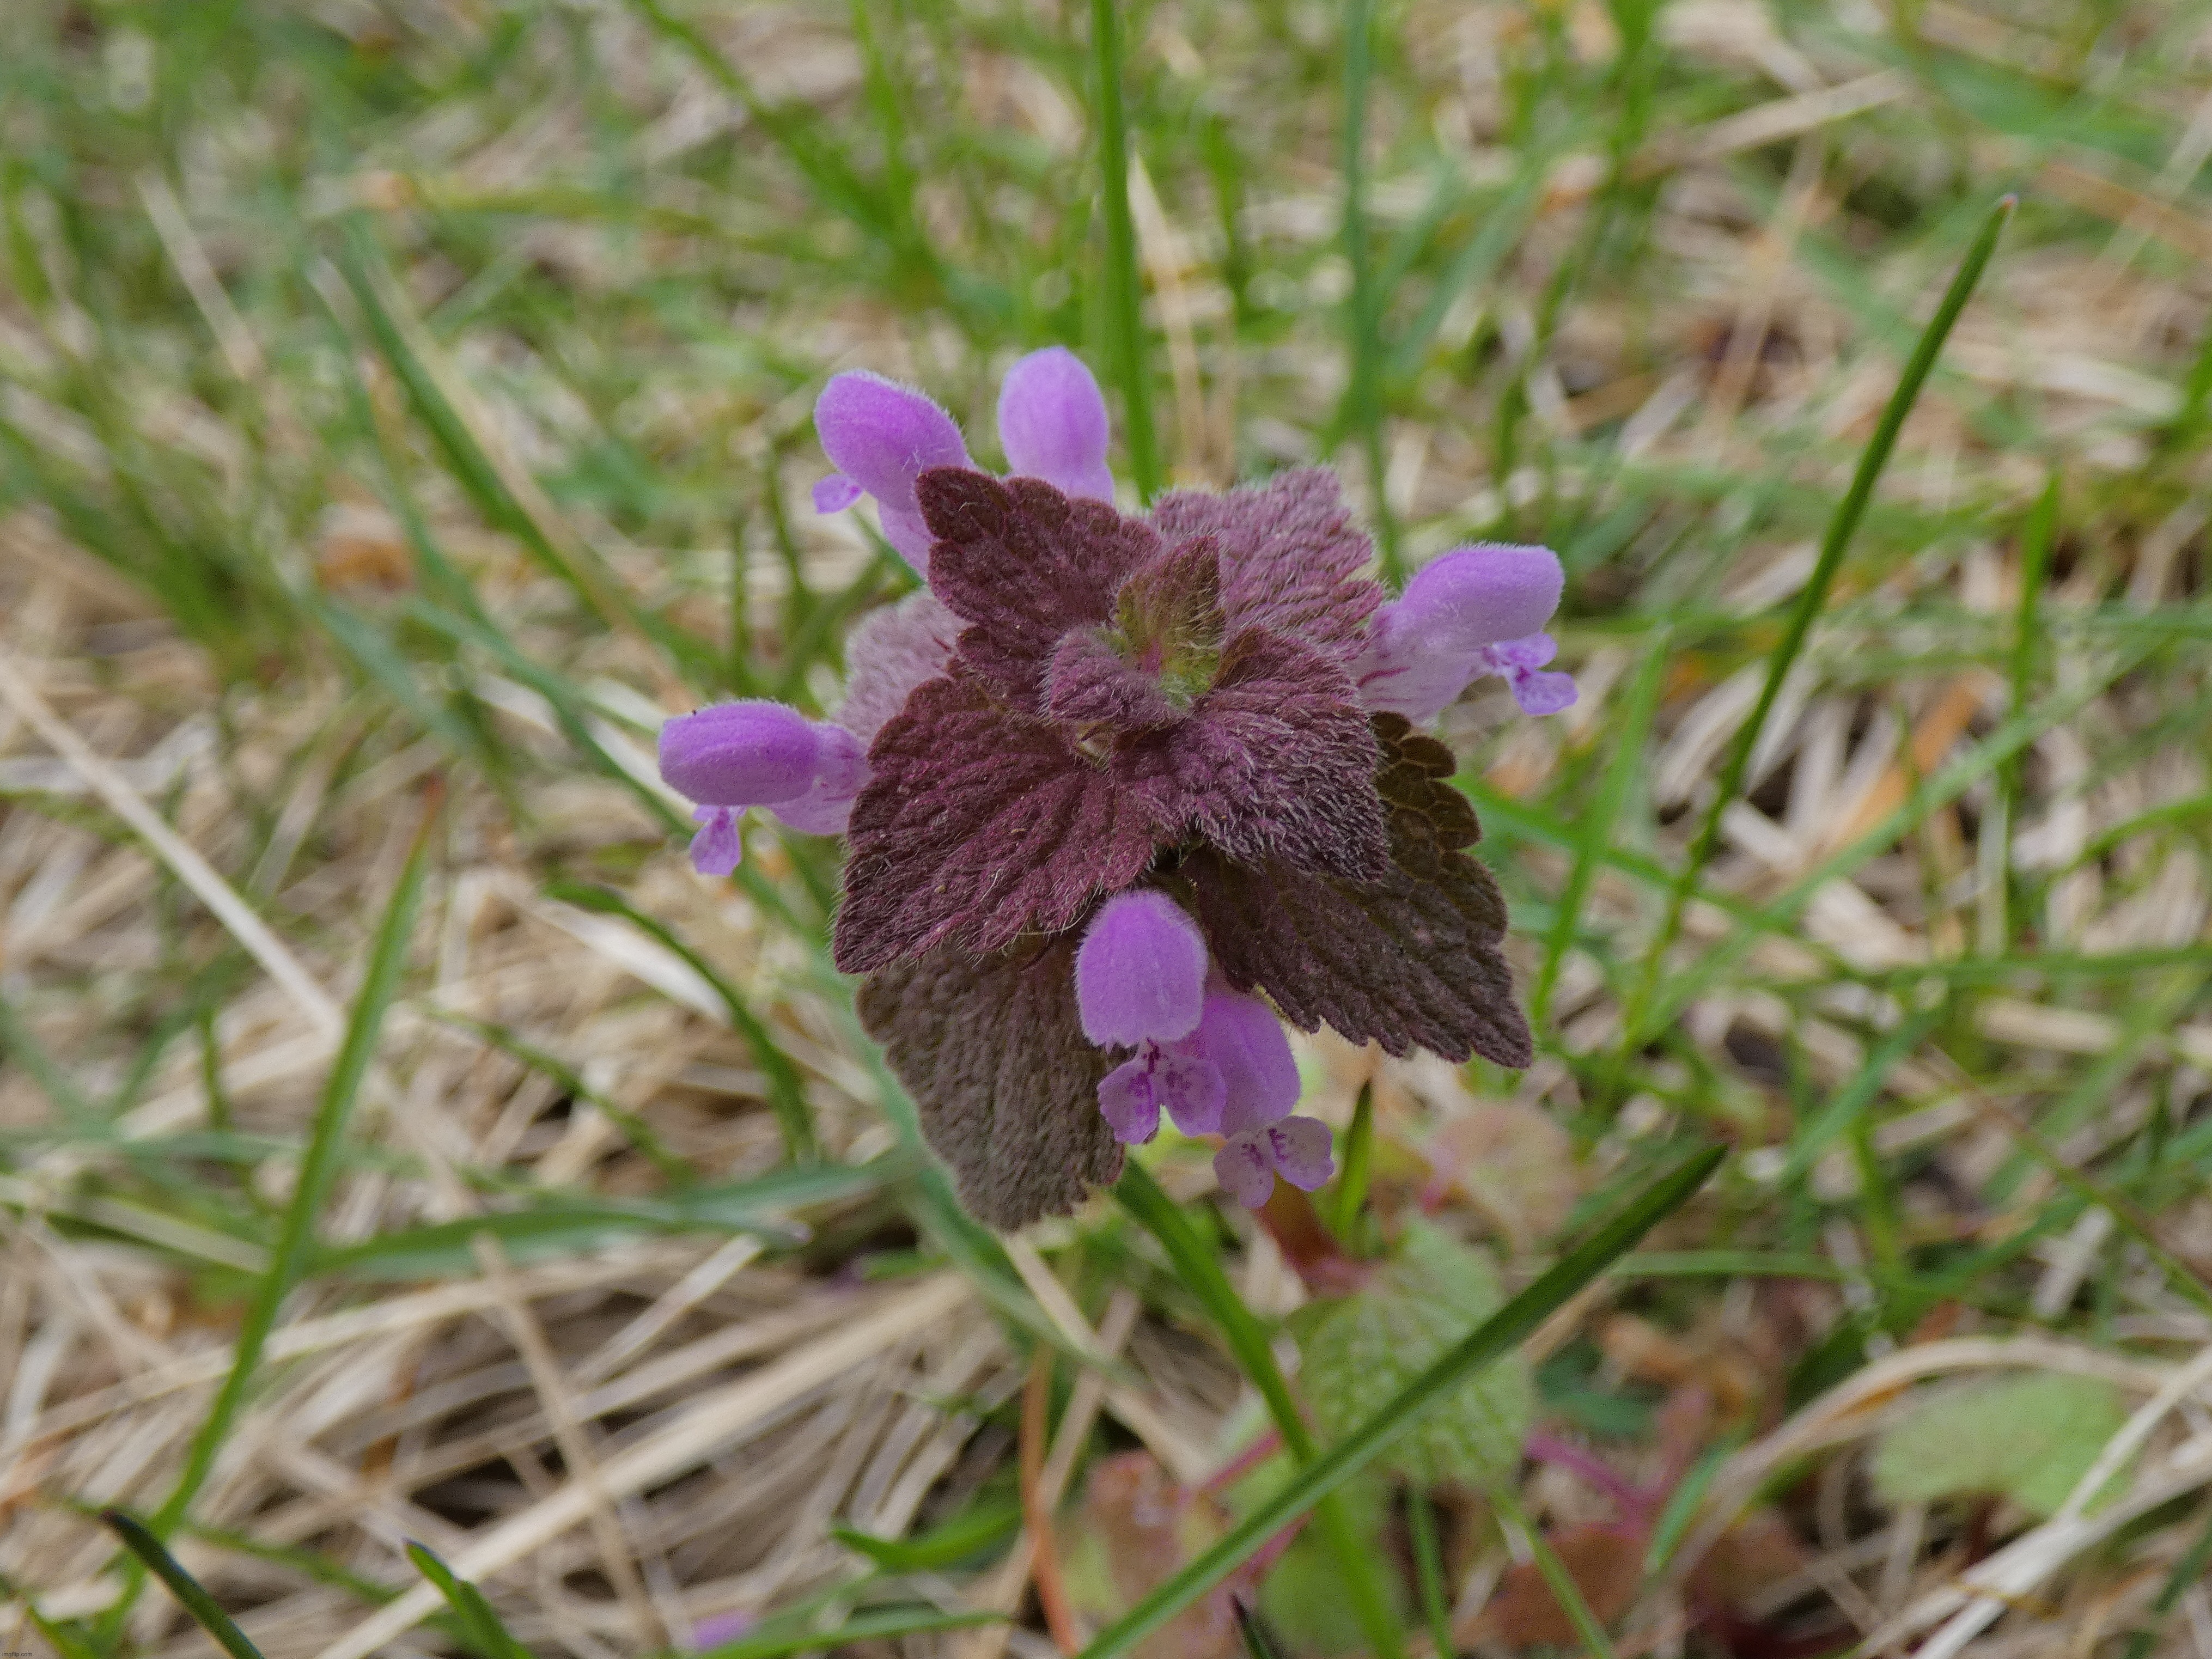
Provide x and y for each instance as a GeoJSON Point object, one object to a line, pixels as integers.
{"type": "Point", "coordinates": [1123, 794]}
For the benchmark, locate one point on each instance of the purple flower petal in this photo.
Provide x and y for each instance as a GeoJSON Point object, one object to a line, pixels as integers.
{"type": "Point", "coordinates": [1190, 1086]}
{"type": "Point", "coordinates": [1398, 674]}
{"type": "Point", "coordinates": [1301, 1148]}
{"type": "Point", "coordinates": [717, 849]}
{"type": "Point", "coordinates": [739, 754]}
{"type": "Point", "coordinates": [1052, 423]}
{"type": "Point", "coordinates": [722, 1628]}
{"type": "Point", "coordinates": [835, 492]}
{"type": "Point", "coordinates": [1245, 1167]}
{"type": "Point", "coordinates": [1530, 651]}
{"type": "Point", "coordinates": [1480, 595]}
{"type": "Point", "coordinates": [882, 435]}
{"type": "Point", "coordinates": [1421, 651]}
{"type": "Point", "coordinates": [1241, 1036]}
{"type": "Point", "coordinates": [1130, 1101]}
{"type": "Point", "coordinates": [1540, 693]}
{"type": "Point", "coordinates": [841, 771]}
{"type": "Point", "coordinates": [1140, 975]}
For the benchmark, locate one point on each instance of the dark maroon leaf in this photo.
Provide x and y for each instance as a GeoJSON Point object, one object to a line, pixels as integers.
{"type": "Point", "coordinates": [1276, 761]}
{"type": "Point", "coordinates": [1292, 559]}
{"type": "Point", "coordinates": [992, 1051]}
{"type": "Point", "coordinates": [1024, 564]}
{"type": "Point", "coordinates": [978, 824]}
{"type": "Point", "coordinates": [1410, 961]}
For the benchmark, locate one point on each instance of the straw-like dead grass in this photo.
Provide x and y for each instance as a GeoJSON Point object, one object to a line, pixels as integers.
{"type": "Point", "coordinates": [628, 1431]}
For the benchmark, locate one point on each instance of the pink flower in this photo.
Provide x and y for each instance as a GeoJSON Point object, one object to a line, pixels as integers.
{"type": "Point", "coordinates": [883, 436]}
{"type": "Point", "coordinates": [1472, 611]}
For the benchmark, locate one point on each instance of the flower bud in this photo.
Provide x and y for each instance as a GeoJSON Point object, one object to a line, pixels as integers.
{"type": "Point", "coordinates": [1140, 974]}
{"type": "Point", "coordinates": [740, 754]}
{"type": "Point", "coordinates": [1477, 596]}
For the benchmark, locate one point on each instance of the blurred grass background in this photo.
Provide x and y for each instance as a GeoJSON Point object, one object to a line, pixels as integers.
{"type": "Point", "coordinates": [404, 406]}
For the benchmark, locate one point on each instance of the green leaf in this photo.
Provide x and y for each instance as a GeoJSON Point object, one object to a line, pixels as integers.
{"type": "Point", "coordinates": [1359, 1351]}
{"type": "Point", "coordinates": [2029, 1439]}
{"type": "Point", "coordinates": [1500, 1334]}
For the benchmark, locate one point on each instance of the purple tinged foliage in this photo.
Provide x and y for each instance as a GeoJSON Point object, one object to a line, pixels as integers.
{"type": "Point", "coordinates": [1140, 974]}
{"type": "Point", "coordinates": [979, 824]}
{"type": "Point", "coordinates": [1186, 740]}
{"type": "Point", "coordinates": [888, 655]}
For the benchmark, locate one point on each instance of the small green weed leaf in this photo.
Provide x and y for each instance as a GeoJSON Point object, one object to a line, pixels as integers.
{"type": "Point", "coordinates": [1361, 1350]}
{"type": "Point", "coordinates": [2029, 1439]}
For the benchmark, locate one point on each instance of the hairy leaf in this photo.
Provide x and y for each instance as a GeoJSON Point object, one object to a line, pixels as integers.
{"type": "Point", "coordinates": [891, 651]}
{"type": "Point", "coordinates": [1292, 559]}
{"type": "Point", "coordinates": [1004, 1081]}
{"type": "Point", "coordinates": [1091, 683]}
{"type": "Point", "coordinates": [977, 825]}
{"type": "Point", "coordinates": [1169, 614]}
{"type": "Point", "coordinates": [1277, 761]}
{"type": "Point", "coordinates": [1357, 1352]}
{"type": "Point", "coordinates": [1409, 961]}
{"type": "Point", "coordinates": [1024, 564]}
{"type": "Point", "coordinates": [2028, 1438]}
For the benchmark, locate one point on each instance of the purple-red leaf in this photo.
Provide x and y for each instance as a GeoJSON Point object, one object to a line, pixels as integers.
{"type": "Point", "coordinates": [1292, 559]}
{"type": "Point", "coordinates": [1275, 761]}
{"type": "Point", "coordinates": [1409, 961]}
{"type": "Point", "coordinates": [1006, 1085]}
{"type": "Point", "coordinates": [1088, 682]}
{"type": "Point", "coordinates": [1024, 564]}
{"type": "Point", "coordinates": [978, 824]}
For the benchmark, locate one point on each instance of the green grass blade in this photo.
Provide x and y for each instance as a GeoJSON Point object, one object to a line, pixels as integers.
{"type": "Point", "coordinates": [295, 1238]}
{"type": "Point", "coordinates": [1429, 1571]}
{"type": "Point", "coordinates": [1364, 304]}
{"type": "Point", "coordinates": [2190, 1569]}
{"type": "Point", "coordinates": [1495, 1336]}
{"type": "Point", "coordinates": [485, 1631]}
{"type": "Point", "coordinates": [1842, 527]}
{"type": "Point", "coordinates": [1629, 759]}
{"type": "Point", "coordinates": [786, 1094]}
{"type": "Point", "coordinates": [1200, 1270]}
{"type": "Point", "coordinates": [197, 1602]}
{"type": "Point", "coordinates": [1359, 1165]}
{"type": "Point", "coordinates": [983, 1525]}
{"type": "Point", "coordinates": [1125, 321]}
{"type": "Point", "coordinates": [1561, 1583]}
{"type": "Point", "coordinates": [1252, 1635]}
